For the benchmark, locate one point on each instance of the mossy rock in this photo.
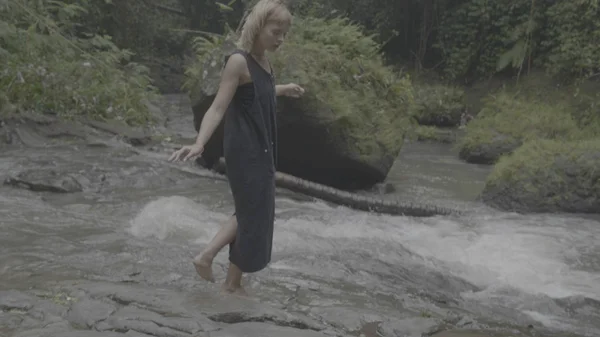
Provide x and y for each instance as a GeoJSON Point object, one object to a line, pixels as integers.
{"type": "Point", "coordinates": [547, 176]}
{"type": "Point", "coordinates": [348, 128]}
{"type": "Point", "coordinates": [506, 122]}
{"type": "Point", "coordinates": [439, 105]}
{"type": "Point", "coordinates": [432, 134]}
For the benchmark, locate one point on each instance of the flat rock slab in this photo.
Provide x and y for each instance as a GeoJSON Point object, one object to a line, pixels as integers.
{"type": "Point", "coordinates": [466, 333]}
{"type": "Point", "coordinates": [87, 312]}
{"type": "Point", "coordinates": [13, 300]}
{"type": "Point", "coordinates": [133, 136]}
{"type": "Point", "coordinates": [151, 323]}
{"type": "Point", "coordinates": [218, 308]}
{"type": "Point", "coordinates": [255, 329]}
{"type": "Point", "coordinates": [81, 333]}
{"type": "Point", "coordinates": [45, 180]}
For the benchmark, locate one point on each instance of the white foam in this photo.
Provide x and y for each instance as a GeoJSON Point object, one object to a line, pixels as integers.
{"type": "Point", "coordinates": [176, 216]}
{"type": "Point", "coordinates": [529, 253]}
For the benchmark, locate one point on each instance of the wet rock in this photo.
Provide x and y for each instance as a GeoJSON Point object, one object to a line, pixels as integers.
{"type": "Point", "coordinates": [132, 333]}
{"type": "Point", "coordinates": [346, 318]}
{"type": "Point", "coordinates": [63, 130]}
{"type": "Point", "coordinates": [152, 323]}
{"type": "Point", "coordinates": [133, 136]}
{"type": "Point", "coordinates": [255, 329]}
{"type": "Point", "coordinates": [265, 314]}
{"type": "Point", "coordinates": [156, 112]}
{"type": "Point", "coordinates": [39, 130]}
{"type": "Point", "coordinates": [87, 312]}
{"type": "Point", "coordinates": [45, 180]}
{"type": "Point", "coordinates": [467, 333]}
{"type": "Point", "coordinates": [410, 327]}
{"type": "Point", "coordinates": [10, 321]}
{"type": "Point", "coordinates": [489, 152]}
{"type": "Point", "coordinates": [146, 327]}
{"type": "Point", "coordinates": [547, 176]}
{"type": "Point", "coordinates": [383, 188]}
{"type": "Point", "coordinates": [80, 333]}
{"type": "Point", "coordinates": [57, 329]}
{"type": "Point", "coordinates": [218, 309]}
{"type": "Point", "coordinates": [14, 300]}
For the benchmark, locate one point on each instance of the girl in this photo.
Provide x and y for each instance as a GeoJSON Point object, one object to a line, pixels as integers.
{"type": "Point", "coordinates": [247, 99]}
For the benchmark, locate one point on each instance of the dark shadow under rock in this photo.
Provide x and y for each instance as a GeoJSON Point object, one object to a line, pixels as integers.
{"type": "Point", "coordinates": [256, 329]}
{"type": "Point", "coordinates": [45, 180]}
{"type": "Point", "coordinates": [489, 152]}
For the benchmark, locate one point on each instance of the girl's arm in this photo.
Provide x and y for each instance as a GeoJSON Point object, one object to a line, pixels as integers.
{"type": "Point", "coordinates": [230, 79]}
{"type": "Point", "coordinates": [281, 89]}
{"type": "Point", "coordinates": [290, 89]}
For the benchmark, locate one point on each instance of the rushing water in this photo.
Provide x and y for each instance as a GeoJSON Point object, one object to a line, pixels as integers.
{"type": "Point", "coordinates": [542, 270]}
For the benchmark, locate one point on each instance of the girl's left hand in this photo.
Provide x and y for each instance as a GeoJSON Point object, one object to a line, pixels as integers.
{"type": "Point", "coordinates": [294, 90]}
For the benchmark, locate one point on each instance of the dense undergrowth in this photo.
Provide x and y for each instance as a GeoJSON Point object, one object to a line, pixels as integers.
{"type": "Point", "coordinates": [51, 67]}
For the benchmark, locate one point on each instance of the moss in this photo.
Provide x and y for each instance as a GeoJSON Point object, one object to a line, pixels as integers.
{"type": "Point", "coordinates": [48, 70]}
{"type": "Point", "coordinates": [536, 157]}
{"type": "Point", "coordinates": [509, 118]}
{"type": "Point", "coordinates": [548, 175]}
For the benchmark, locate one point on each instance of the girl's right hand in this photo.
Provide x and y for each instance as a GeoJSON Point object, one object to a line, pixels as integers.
{"type": "Point", "coordinates": [187, 152]}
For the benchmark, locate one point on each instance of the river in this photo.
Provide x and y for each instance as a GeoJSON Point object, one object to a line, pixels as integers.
{"type": "Point", "coordinates": [127, 239]}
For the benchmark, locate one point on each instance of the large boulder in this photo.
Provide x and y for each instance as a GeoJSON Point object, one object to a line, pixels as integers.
{"type": "Point", "coordinates": [506, 121]}
{"type": "Point", "coordinates": [348, 128]}
{"type": "Point", "coordinates": [547, 176]}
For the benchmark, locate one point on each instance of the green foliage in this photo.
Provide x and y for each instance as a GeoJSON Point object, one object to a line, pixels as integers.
{"type": "Point", "coordinates": [343, 68]}
{"type": "Point", "coordinates": [469, 40]}
{"type": "Point", "coordinates": [439, 105]}
{"type": "Point", "coordinates": [580, 99]}
{"type": "Point", "coordinates": [206, 46]}
{"type": "Point", "coordinates": [537, 155]}
{"type": "Point", "coordinates": [549, 174]}
{"type": "Point", "coordinates": [480, 36]}
{"type": "Point", "coordinates": [519, 119]}
{"type": "Point", "coordinates": [571, 42]}
{"type": "Point", "coordinates": [47, 70]}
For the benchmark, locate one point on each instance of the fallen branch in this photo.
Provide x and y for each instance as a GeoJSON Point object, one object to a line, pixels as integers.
{"type": "Point", "coordinates": [349, 199]}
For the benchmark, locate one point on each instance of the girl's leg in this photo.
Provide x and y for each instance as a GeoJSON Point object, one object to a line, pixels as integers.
{"type": "Point", "coordinates": [203, 261]}
{"type": "Point", "coordinates": [233, 282]}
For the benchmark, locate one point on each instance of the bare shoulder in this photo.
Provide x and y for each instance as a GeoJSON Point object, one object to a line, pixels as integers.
{"type": "Point", "coordinates": [237, 66]}
{"type": "Point", "coordinates": [236, 61]}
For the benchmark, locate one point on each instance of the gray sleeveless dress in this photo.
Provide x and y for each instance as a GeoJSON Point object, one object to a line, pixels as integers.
{"type": "Point", "coordinates": [250, 148]}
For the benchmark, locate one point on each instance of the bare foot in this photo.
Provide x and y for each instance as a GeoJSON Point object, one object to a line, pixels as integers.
{"type": "Point", "coordinates": [231, 290]}
{"type": "Point", "coordinates": [203, 267]}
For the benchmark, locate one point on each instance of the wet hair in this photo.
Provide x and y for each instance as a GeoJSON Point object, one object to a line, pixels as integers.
{"type": "Point", "coordinates": [258, 18]}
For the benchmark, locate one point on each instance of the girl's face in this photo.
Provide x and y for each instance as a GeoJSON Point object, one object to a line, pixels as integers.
{"type": "Point", "coordinates": [275, 30]}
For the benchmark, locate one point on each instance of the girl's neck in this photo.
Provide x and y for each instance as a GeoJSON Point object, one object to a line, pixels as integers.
{"type": "Point", "coordinates": [258, 53]}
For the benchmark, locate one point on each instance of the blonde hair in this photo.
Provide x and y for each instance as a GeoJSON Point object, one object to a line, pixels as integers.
{"type": "Point", "coordinates": [257, 19]}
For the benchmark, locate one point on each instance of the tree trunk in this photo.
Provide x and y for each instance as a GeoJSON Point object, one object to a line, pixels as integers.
{"type": "Point", "coordinates": [349, 199]}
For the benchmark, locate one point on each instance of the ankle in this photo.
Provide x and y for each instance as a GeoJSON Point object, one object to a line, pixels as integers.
{"type": "Point", "coordinates": [206, 256]}
{"type": "Point", "coordinates": [232, 285]}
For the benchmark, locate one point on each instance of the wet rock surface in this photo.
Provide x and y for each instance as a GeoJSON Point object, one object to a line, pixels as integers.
{"type": "Point", "coordinates": [108, 309]}
{"type": "Point", "coordinates": [68, 268]}
{"type": "Point", "coordinates": [116, 310]}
